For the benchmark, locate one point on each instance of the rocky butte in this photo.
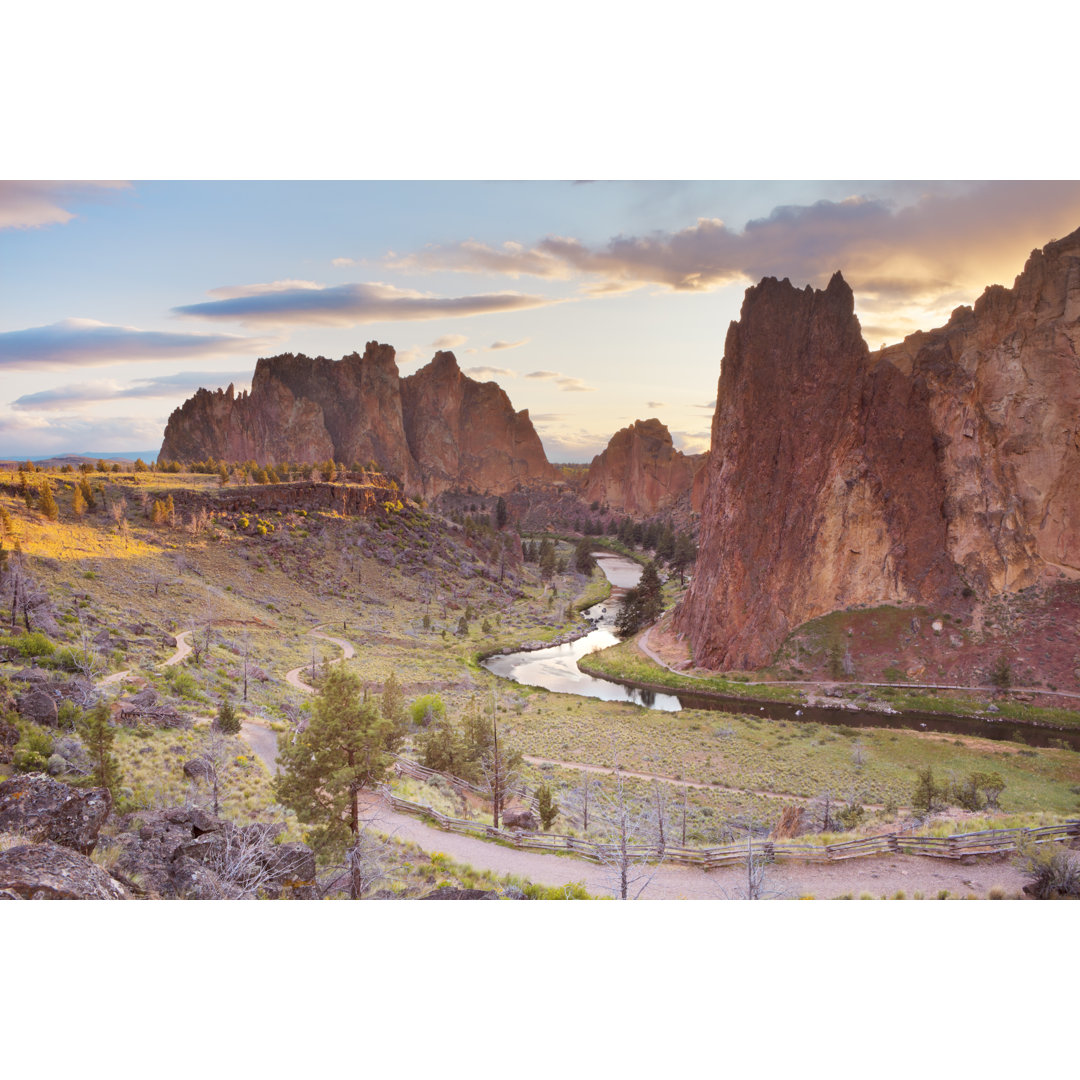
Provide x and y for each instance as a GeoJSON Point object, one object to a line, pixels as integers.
{"type": "Point", "coordinates": [435, 430]}
{"type": "Point", "coordinates": [840, 478]}
{"type": "Point", "coordinates": [640, 472]}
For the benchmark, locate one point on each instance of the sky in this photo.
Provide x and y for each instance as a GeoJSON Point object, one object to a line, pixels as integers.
{"type": "Point", "coordinates": [592, 303]}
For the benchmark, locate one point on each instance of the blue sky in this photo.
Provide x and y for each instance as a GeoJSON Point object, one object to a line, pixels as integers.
{"type": "Point", "coordinates": [592, 304]}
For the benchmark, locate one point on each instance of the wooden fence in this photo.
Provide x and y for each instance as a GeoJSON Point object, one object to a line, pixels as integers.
{"type": "Point", "coordinates": [989, 842]}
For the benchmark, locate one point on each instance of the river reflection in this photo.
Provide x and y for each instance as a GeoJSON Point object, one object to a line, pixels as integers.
{"type": "Point", "coordinates": [555, 668]}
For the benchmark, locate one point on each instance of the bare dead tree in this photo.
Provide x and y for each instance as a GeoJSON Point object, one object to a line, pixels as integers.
{"type": "Point", "coordinates": [625, 855]}
{"type": "Point", "coordinates": [88, 662]}
{"type": "Point", "coordinates": [499, 767]}
{"type": "Point", "coordinates": [370, 860]}
{"type": "Point", "coordinates": [214, 754]}
{"type": "Point", "coordinates": [660, 803]}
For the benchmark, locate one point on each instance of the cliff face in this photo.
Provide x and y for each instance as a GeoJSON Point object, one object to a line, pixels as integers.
{"type": "Point", "coordinates": [640, 472]}
{"type": "Point", "coordinates": [435, 430]}
{"type": "Point", "coordinates": [840, 478]}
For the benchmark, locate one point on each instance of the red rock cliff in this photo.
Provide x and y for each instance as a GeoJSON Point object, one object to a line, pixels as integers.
{"type": "Point", "coordinates": [640, 472]}
{"type": "Point", "coordinates": [840, 478]}
{"type": "Point", "coordinates": [436, 430]}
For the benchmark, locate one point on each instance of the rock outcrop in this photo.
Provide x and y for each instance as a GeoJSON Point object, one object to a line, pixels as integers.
{"type": "Point", "coordinates": [640, 472]}
{"type": "Point", "coordinates": [52, 872]}
{"type": "Point", "coordinates": [186, 853]}
{"type": "Point", "coordinates": [841, 478]}
{"type": "Point", "coordinates": [466, 434]}
{"type": "Point", "coordinates": [43, 809]}
{"type": "Point", "coordinates": [435, 430]}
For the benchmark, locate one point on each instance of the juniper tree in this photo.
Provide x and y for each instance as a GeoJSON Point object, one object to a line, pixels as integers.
{"type": "Point", "coordinates": [48, 502]}
{"type": "Point", "coordinates": [341, 751]}
{"type": "Point", "coordinates": [97, 736]}
{"type": "Point", "coordinates": [227, 722]}
{"type": "Point", "coordinates": [548, 808]}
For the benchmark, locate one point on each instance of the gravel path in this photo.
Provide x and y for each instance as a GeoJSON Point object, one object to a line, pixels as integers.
{"type": "Point", "coordinates": [788, 880]}
{"type": "Point", "coordinates": [183, 650]}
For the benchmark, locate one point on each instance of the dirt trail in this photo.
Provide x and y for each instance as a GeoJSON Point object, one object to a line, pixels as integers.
{"type": "Point", "coordinates": [183, 649]}
{"type": "Point", "coordinates": [263, 742]}
{"type": "Point", "coordinates": [877, 875]}
{"type": "Point", "coordinates": [293, 677]}
{"type": "Point", "coordinates": [580, 766]}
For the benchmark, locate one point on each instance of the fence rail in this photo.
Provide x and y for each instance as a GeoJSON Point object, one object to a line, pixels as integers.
{"type": "Point", "coordinates": [988, 842]}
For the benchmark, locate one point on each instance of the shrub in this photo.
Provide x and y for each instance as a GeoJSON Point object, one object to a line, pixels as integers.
{"type": "Point", "coordinates": [33, 750]}
{"type": "Point", "coordinates": [227, 721]}
{"type": "Point", "coordinates": [34, 644]}
{"type": "Point", "coordinates": [427, 708]}
{"type": "Point", "coordinates": [1053, 871]}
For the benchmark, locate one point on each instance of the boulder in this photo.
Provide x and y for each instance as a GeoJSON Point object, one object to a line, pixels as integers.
{"type": "Point", "coordinates": [145, 698]}
{"type": "Point", "coordinates": [39, 706]}
{"type": "Point", "coordinates": [9, 736]}
{"type": "Point", "coordinates": [43, 809]}
{"type": "Point", "coordinates": [198, 769]}
{"type": "Point", "coordinates": [519, 818]}
{"type": "Point", "coordinates": [52, 872]}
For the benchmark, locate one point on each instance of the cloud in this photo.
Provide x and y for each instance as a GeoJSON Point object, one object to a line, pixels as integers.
{"type": "Point", "coordinates": [547, 418]}
{"type": "Point", "coordinates": [78, 395]}
{"type": "Point", "coordinates": [490, 373]}
{"type": "Point", "coordinates": [32, 204]}
{"type": "Point", "coordinates": [656, 404]}
{"type": "Point", "coordinates": [569, 383]}
{"type": "Point", "coordinates": [496, 345]}
{"type": "Point", "coordinates": [692, 442]}
{"type": "Point", "coordinates": [913, 259]}
{"type": "Point", "coordinates": [290, 302]}
{"type": "Point", "coordinates": [449, 341]}
{"type": "Point", "coordinates": [343, 262]}
{"type": "Point", "coordinates": [564, 382]}
{"type": "Point", "coordinates": [87, 343]}
{"type": "Point", "coordinates": [711, 406]}
{"type": "Point", "coordinates": [37, 436]}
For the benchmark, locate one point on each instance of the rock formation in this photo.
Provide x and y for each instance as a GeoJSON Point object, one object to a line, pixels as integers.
{"type": "Point", "coordinates": [839, 478]}
{"type": "Point", "coordinates": [52, 872]}
{"type": "Point", "coordinates": [466, 434]}
{"type": "Point", "coordinates": [42, 809]}
{"type": "Point", "coordinates": [435, 430]}
{"type": "Point", "coordinates": [640, 472]}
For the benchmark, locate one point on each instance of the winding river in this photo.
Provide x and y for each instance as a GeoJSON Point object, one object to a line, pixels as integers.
{"type": "Point", "coordinates": [555, 668]}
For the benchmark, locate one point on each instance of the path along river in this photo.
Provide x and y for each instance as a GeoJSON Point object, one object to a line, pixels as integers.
{"type": "Point", "coordinates": [555, 668]}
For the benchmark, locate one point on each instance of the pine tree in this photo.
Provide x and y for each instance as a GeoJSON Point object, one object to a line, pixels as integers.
{"type": "Point", "coordinates": [86, 493]}
{"type": "Point", "coordinates": [228, 723]}
{"type": "Point", "coordinates": [500, 513]}
{"type": "Point", "coordinates": [97, 736]}
{"type": "Point", "coordinates": [78, 503]}
{"type": "Point", "coordinates": [342, 750]}
{"type": "Point", "coordinates": [547, 560]}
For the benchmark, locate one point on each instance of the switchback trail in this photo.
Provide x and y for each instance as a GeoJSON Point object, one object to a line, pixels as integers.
{"type": "Point", "coordinates": [183, 649]}
{"type": "Point", "coordinates": [293, 677]}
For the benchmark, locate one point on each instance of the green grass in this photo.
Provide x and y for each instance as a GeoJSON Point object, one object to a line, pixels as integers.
{"type": "Point", "coordinates": [624, 661]}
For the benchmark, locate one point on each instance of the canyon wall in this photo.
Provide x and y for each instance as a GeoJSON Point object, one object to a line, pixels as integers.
{"type": "Point", "coordinates": [840, 478]}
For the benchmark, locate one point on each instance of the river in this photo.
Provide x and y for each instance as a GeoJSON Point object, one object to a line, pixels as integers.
{"type": "Point", "coordinates": [555, 668]}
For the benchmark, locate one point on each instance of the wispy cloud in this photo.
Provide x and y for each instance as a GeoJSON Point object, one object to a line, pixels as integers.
{"type": "Point", "coordinates": [490, 373]}
{"type": "Point", "coordinates": [343, 262]}
{"type": "Point", "coordinates": [32, 204]}
{"type": "Point", "coordinates": [449, 341]}
{"type": "Point", "coordinates": [656, 404]}
{"type": "Point", "coordinates": [88, 343]}
{"type": "Point", "coordinates": [290, 302]}
{"type": "Point", "coordinates": [497, 345]}
{"type": "Point", "coordinates": [79, 395]}
{"type": "Point", "coordinates": [563, 382]}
